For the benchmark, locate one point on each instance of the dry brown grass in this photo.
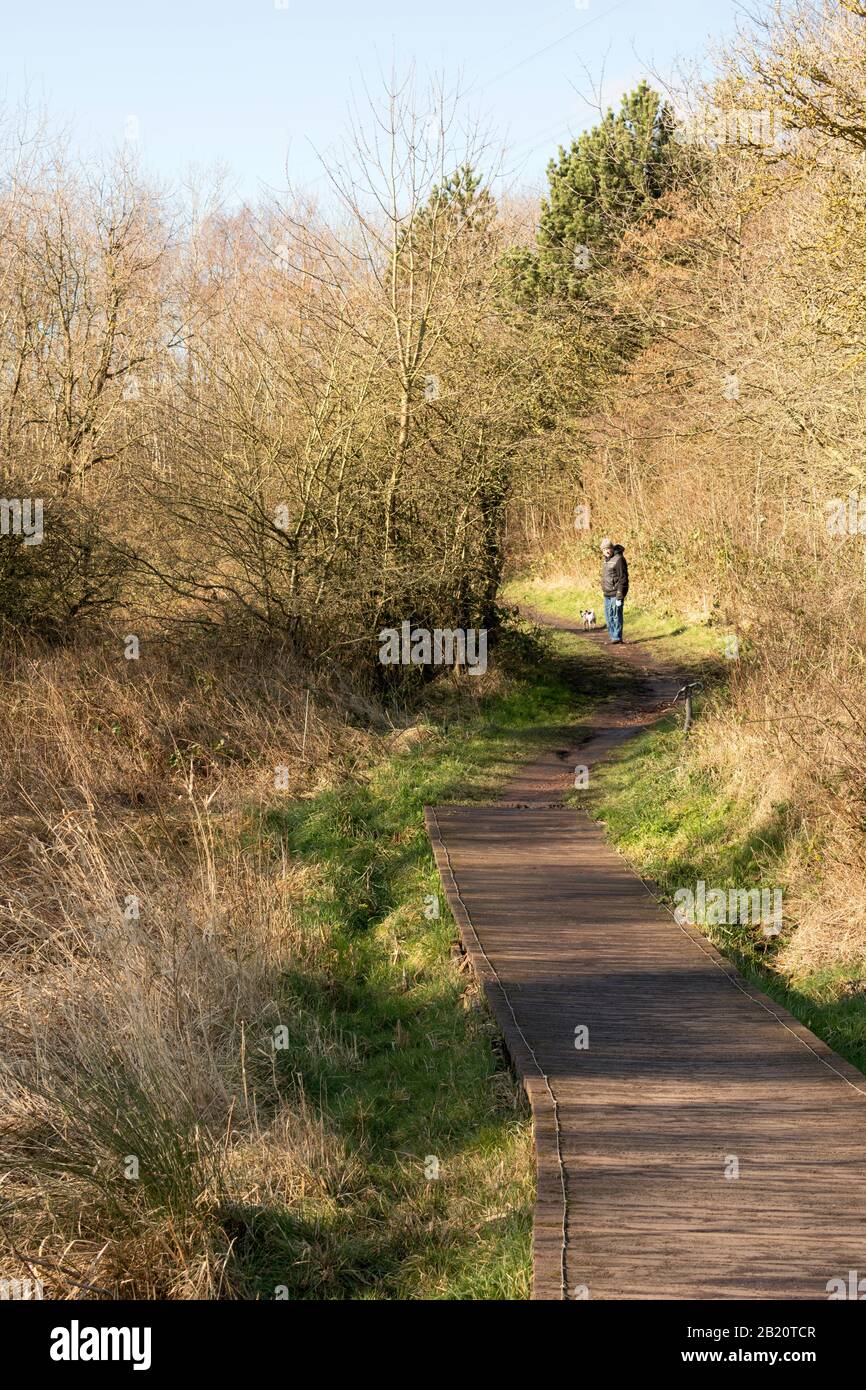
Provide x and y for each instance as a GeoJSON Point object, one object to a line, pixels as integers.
{"type": "Point", "coordinates": [792, 735]}
{"type": "Point", "coordinates": [144, 1030]}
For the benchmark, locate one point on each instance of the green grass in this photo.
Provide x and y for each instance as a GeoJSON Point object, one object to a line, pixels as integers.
{"type": "Point", "coordinates": [665, 637]}
{"type": "Point", "coordinates": [676, 827]}
{"type": "Point", "coordinates": [411, 1067]}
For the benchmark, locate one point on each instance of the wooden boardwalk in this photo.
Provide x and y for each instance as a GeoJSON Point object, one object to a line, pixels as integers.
{"type": "Point", "coordinates": [703, 1145]}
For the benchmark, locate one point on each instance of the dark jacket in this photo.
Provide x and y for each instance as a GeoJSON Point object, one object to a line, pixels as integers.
{"type": "Point", "coordinates": [614, 575]}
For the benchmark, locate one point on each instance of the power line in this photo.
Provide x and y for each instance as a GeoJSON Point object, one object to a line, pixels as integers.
{"type": "Point", "coordinates": [509, 43]}
{"type": "Point", "coordinates": [530, 57]}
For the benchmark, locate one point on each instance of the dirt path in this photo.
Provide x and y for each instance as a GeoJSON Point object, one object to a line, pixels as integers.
{"type": "Point", "coordinates": [693, 1140]}
{"type": "Point", "coordinates": [548, 777]}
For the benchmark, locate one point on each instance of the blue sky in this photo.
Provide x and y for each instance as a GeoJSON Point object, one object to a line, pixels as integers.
{"type": "Point", "coordinates": [252, 85]}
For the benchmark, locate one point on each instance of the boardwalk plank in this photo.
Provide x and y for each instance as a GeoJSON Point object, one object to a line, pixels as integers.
{"type": "Point", "coordinates": [688, 1066]}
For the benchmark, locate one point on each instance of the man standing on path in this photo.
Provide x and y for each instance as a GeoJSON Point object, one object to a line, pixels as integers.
{"type": "Point", "coordinates": [614, 586]}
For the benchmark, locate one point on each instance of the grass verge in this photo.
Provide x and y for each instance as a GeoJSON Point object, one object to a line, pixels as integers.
{"type": "Point", "coordinates": [387, 1039]}
{"type": "Point", "coordinates": [677, 826]}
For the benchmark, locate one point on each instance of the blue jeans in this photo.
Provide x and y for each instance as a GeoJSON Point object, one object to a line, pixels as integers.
{"type": "Point", "coordinates": [613, 618]}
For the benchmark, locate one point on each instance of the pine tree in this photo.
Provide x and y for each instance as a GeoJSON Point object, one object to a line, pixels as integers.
{"type": "Point", "coordinates": [611, 177]}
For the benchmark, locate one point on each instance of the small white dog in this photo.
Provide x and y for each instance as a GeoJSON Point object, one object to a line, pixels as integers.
{"type": "Point", "coordinates": [588, 618]}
